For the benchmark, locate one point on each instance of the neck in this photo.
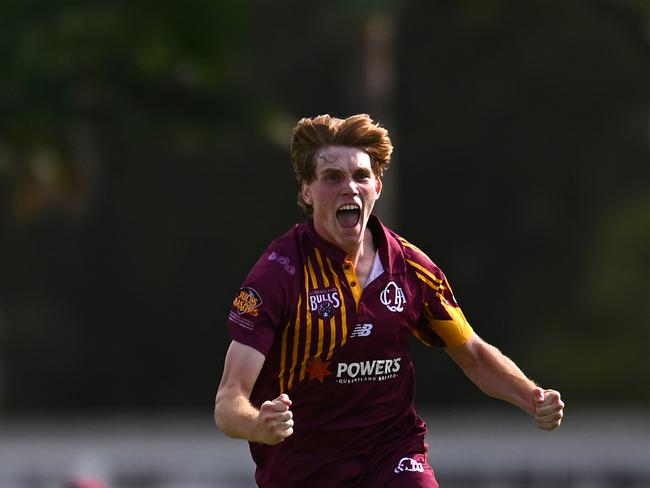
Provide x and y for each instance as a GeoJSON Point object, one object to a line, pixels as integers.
{"type": "Point", "coordinates": [365, 248]}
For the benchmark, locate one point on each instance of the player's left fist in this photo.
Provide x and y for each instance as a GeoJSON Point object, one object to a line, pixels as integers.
{"type": "Point", "coordinates": [549, 408]}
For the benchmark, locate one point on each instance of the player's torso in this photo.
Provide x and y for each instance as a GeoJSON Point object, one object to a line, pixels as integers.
{"type": "Point", "coordinates": [345, 344]}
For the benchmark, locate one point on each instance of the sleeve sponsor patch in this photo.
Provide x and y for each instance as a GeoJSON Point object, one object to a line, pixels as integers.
{"type": "Point", "coordinates": [247, 301]}
{"type": "Point", "coordinates": [245, 307]}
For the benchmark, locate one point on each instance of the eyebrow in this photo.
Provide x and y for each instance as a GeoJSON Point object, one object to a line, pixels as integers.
{"type": "Point", "coordinates": [331, 170]}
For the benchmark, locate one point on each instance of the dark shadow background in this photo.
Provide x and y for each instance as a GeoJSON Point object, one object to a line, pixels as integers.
{"type": "Point", "coordinates": [144, 167]}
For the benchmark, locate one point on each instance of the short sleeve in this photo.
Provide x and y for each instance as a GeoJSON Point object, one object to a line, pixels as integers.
{"type": "Point", "coordinates": [442, 322]}
{"type": "Point", "coordinates": [261, 304]}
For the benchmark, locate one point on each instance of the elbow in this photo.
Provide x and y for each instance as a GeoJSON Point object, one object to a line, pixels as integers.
{"type": "Point", "coordinates": [220, 420]}
{"type": "Point", "coordinates": [219, 417]}
{"type": "Point", "coordinates": [222, 417]}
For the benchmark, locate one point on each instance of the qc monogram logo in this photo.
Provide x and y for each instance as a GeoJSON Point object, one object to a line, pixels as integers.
{"type": "Point", "coordinates": [393, 297]}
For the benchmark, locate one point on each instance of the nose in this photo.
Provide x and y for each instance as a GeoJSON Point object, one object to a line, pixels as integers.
{"type": "Point", "coordinates": [350, 187]}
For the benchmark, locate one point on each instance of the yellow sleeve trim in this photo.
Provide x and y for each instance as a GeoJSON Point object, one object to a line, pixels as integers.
{"type": "Point", "coordinates": [454, 332]}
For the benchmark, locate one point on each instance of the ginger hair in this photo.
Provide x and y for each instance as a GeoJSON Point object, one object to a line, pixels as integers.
{"type": "Point", "coordinates": [311, 135]}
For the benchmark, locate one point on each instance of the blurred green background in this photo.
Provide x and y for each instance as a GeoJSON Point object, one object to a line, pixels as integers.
{"type": "Point", "coordinates": [144, 166]}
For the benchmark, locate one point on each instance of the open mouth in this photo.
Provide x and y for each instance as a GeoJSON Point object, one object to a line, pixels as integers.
{"type": "Point", "coordinates": [348, 215]}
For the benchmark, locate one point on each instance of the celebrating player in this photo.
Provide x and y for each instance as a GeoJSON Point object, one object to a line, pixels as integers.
{"type": "Point", "coordinates": [318, 376]}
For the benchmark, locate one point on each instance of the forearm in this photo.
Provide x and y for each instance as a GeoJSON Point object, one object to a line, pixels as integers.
{"type": "Point", "coordinates": [235, 416]}
{"type": "Point", "coordinates": [499, 377]}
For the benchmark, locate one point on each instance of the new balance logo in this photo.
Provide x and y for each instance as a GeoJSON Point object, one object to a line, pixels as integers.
{"type": "Point", "coordinates": [361, 330]}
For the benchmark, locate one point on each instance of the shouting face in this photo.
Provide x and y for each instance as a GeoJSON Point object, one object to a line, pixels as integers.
{"type": "Point", "coordinates": [342, 195]}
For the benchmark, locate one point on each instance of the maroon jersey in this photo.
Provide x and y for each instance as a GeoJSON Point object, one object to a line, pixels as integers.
{"type": "Point", "coordinates": [340, 352]}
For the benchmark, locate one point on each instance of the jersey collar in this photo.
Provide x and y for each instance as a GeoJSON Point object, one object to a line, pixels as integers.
{"type": "Point", "coordinates": [389, 248]}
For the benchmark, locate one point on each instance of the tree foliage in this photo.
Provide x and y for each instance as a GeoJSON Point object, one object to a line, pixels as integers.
{"type": "Point", "coordinates": [144, 166]}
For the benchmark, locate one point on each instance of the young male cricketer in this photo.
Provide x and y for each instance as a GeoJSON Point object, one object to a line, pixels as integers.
{"type": "Point", "coordinates": [318, 377]}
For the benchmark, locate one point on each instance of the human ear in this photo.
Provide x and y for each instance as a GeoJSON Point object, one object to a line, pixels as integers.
{"type": "Point", "coordinates": [305, 191]}
{"type": "Point", "coordinates": [378, 186]}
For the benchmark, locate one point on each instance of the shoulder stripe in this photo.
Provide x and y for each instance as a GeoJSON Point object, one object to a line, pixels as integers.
{"type": "Point", "coordinates": [437, 288]}
{"type": "Point", "coordinates": [406, 243]}
{"type": "Point", "coordinates": [424, 270]}
{"type": "Point", "coordinates": [419, 266]}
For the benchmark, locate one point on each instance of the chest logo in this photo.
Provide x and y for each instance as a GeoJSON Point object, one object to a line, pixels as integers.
{"type": "Point", "coordinates": [393, 297]}
{"type": "Point", "coordinates": [361, 330]}
{"type": "Point", "coordinates": [324, 301]}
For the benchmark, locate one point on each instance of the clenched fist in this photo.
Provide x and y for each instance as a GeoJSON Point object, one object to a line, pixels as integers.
{"type": "Point", "coordinates": [549, 408]}
{"type": "Point", "coordinates": [274, 422]}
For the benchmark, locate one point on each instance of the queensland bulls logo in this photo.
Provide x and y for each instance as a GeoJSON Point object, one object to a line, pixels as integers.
{"type": "Point", "coordinates": [325, 309]}
{"type": "Point", "coordinates": [324, 301]}
{"type": "Point", "coordinates": [393, 297]}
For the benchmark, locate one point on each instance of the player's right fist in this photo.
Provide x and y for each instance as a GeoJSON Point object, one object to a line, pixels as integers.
{"type": "Point", "coordinates": [275, 421]}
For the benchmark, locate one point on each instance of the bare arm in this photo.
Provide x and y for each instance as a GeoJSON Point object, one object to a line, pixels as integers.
{"type": "Point", "coordinates": [233, 412]}
{"type": "Point", "coordinates": [499, 377]}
